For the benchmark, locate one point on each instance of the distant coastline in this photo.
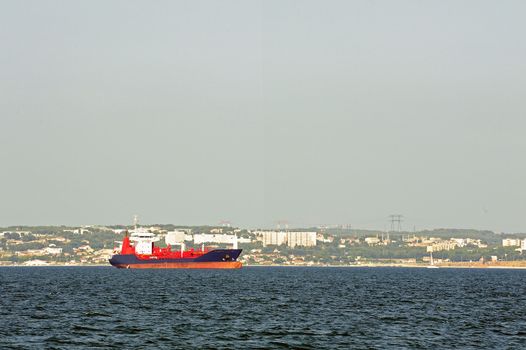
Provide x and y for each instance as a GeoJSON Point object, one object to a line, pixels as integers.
{"type": "Point", "coordinates": [93, 245]}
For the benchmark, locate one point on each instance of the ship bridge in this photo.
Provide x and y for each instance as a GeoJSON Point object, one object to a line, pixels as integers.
{"type": "Point", "coordinates": [144, 240]}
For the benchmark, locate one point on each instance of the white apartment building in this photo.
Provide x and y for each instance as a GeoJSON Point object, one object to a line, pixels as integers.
{"type": "Point", "coordinates": [272, 237]}
{"type": "Point", "coordinates": [301, 239]}
{"type": "Point", "coordinates": [511, 242]}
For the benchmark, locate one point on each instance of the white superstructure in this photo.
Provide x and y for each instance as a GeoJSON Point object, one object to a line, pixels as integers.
{"type": "Point", "coordinates": [143, 240]}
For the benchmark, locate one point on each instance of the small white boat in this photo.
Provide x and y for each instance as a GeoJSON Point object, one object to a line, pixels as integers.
{"type": "Point", "coordinates": [432, 265]}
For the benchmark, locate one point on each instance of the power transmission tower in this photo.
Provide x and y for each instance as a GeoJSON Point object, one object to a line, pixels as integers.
{"type": "Point", "coordinates": [396, 223]}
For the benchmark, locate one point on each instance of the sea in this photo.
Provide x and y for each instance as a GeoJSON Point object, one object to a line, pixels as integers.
{"type": "Point", "coordinates": [262, 308]}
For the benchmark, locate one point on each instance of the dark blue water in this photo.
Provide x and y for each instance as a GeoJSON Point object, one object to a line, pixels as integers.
{"type": "Point", "coordinates": [262, 308]}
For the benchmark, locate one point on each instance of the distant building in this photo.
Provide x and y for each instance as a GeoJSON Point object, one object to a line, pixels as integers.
{"type": "Point", "coordinates": [52, 250]}
{"type": "Point", "coordinates": [461, 242]}
{"type": "Point", "coordinates": [321, 237]}
{"type": "Point", "coordinates": [36, 262]}
{"type": "Point", "coordinates": [511, 242]}
{"type": "Point", "coordinates": [175, 237]}
{"type": "Point", "coordinates": [217, 238]}
{"type": "Point", "coordinates": [372, 240]}
{"type": "Point", "coordinates": [20, 233]}
{"type": "Point", "coordinates": [272, 237]}
{"type": "Point", "coordinates": [83, 249]}
{"type": "Point", "coordinates": [354, 240]}
{"type": "Point", "coordinates": [444, 245]}
{"type": "Point", "coordinates": [78, 231]}
{"type": "Point", "coordinates": [301, 239]}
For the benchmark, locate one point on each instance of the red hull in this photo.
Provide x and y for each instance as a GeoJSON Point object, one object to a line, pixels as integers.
{"type": "Point", "coordinates": [185, 265]}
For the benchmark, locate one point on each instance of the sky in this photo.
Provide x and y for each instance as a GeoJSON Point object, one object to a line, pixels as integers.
{"type": "Point", "coordinates": [310, 112]}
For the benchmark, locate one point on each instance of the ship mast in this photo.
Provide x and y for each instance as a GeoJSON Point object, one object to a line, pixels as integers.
{"type": "Point", "coordinates": [135, 221]}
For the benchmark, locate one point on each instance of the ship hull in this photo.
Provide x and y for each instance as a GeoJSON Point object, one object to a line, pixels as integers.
{"type": "Point", "coordinates": [183, 265]}
{"type": "Point", "coordinates": [215, 259]}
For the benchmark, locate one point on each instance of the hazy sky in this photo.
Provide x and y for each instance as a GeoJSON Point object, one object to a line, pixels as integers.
{"type": "Point", "coordinates": [315, 112]}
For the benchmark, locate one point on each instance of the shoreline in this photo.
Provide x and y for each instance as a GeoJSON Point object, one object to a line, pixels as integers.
{"type": "Point", "coordinates": [520, 266]}
{"type": "Point", "coordinates": [400, 266]}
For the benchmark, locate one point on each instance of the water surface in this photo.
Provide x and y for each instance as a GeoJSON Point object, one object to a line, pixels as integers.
{"type": "Point", "coordinates": [262, 308]}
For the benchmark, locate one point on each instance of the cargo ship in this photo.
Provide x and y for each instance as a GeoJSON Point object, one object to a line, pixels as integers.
{"type": "Point", "coordinates": [138, 251]}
